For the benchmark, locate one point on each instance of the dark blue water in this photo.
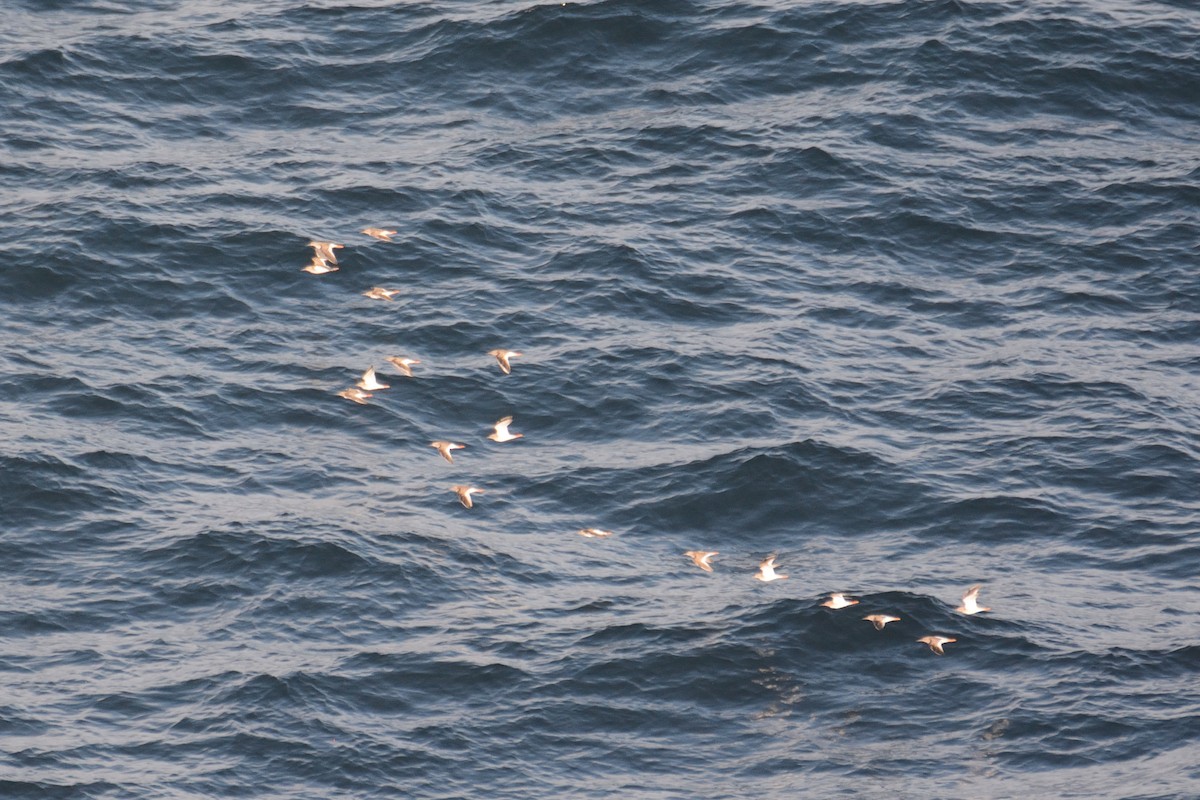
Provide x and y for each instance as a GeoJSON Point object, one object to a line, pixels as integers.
{"type": "Point", "coordinates": [905, 293]}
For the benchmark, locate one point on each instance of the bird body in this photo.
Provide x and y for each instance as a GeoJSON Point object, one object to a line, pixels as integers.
{"type": "Point", "coordinates": [355, 394]}
{"type": "Point", "coordinates": [382, 234]}
{"type": "Point", "coordinates": [766, 571]}
{"type": "Point", "coordinates": [325, 250]}
{"type": "Point", "coordinates": [501, 434]}
{"type": "Point", "coordinates": [702, 558]}
{"type": "Point", "coordinates": [403, 364]}
{"type": "Point", "coordinates": [935, 643]}
{"type": "Point", "coordinates": [503, 357]}
{"type": "Point", "coordinates": [445, 447]}
{"type": "Point", "coordinates": [319, 266]}
{"type": "Point", "coordinates": [838, 600]}
{"type": "Point", "coordinates": [464, 494]}
{"type": "Point", "coordinates": [594, 533]}
{"type": "Point", "coordinates": [970, 602]}
{"type": "Point", "coordinates": [369, 381]}
{"type": "Point", "coordinates": [379, 293]}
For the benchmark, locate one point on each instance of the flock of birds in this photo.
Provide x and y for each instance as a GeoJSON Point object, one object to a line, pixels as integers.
{"type": "Point", "coordinates": [325, 261]}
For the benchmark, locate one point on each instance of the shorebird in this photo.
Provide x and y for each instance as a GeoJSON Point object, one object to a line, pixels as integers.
{"type": "Point", "coordinates": [766, 571]}
{"type": "Point", "coordinates": [501, 433]}
{"type": "Point", "coordinates": [701, 558]}
{"type": "Point", "coordinates": [879, 620]}
{"type": "Point", "coordinates": [403, 364]}
{"type": "Point", "coordinates": [838, 600]}
{"type": "Point", "coordinates": [355, 394]}
{"type": "Point", "coordinates": [369, 382]}
{"type": "Point", "coordinates": [381, 234]}
{"type": "Point", "coordinates": [464, 494]}
{"type": "Point", "coordinates": [970, 602]}
{"type": "Point", "coordinates": [503, 356]}
{"type": "Point", "coordinates": [445, 447]}
{"type": "Point", "coordinates": [935, 643]}
{"type": "Point", "coordinates": [594, 533]}
{"type": "Point", "coordinates": [325, 250]}
{"type": "Point", "coordinates": [319, 266]}
{"type": "Point", "coordinates": [379, 293]}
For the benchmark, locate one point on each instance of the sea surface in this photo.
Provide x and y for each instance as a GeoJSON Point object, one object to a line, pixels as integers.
{"type": "Point", "coordinates": [906, 294]}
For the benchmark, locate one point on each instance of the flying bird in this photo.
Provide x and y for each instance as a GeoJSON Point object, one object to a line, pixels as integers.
{"type": "Point", "coordinates": [319, 266]}
{"type": "Point", "coordinates": [838, 600]}
{"type": "Point", "coordinates": [501, 433]}
{"type": "Point", "coordinates": [379, 293]}
{"type": "Point", "coordinates": [702, 558]}
{"type": "Point", "coordinates": [766, 571]}
{"type": "Point", "coordinates": [935, 643]}
{"type": "Point", "coordinates": [369, 381]}
{"type": "Point", "coordinates": [503, 357]}
{"type": "Point", "coordinates": [879, 620]}
{"type": "Point", "coordinates": [325, 250]}
{"type": "Point", "coordinates": [403, 364]}
{"type": "Point", "coordinates": [355, 394]}
{"type": "Point", "coordinates": [382, 234]}
{"type": "Point", "coordinates": [464, 494]}
{"type": "Point", "coordinates": [445, 447]}
{"type": "Point", "coordinates": [970, 602]}
{"type": "Point", "coordinates": [594, 533]}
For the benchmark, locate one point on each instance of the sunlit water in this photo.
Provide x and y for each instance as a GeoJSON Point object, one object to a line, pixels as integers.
{"type": "Point", "coordinates": [905, 293]}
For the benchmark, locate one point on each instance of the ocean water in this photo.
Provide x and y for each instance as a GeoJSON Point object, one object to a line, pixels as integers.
{"type": "Point", "coordinates": [904, 293]}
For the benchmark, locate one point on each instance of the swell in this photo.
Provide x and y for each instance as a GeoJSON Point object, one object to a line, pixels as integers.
{"type": "Point", "coordinates": [895, 292]}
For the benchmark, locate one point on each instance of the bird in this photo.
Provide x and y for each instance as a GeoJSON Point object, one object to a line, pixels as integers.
{"type": "Point", "coordinates": [319, 266]}
{"type": "Point", "coordinates": [503, 356]}
{"type": "Point", "coordinates": [445, 447]}
{"type": "Point", "coordinates": [381, 234]}
{"type": "Point", "coordinates": [838, 600]}
{"type": "Point", "coordinates": [325, 250]}
{"type": "Point", "coordinates": [594, 533]}
{"type": "Point", "coordinates": [701, 558]}
{"type": "Point", "coordinates": [369, 382]}
{"type": "Point", "coordinates": [355, 394]}
{"type": "Point", "coordinates": [501, 433]}
{"type": "Point", "coordinates": [879, 620]}
{"type": "Point", "coordinates": [935, 643]}
{"type": "Point", "coordinates": [970, 602]}
{"type": "Point", "coordinates": [766, 571]}
{"type": "Point", "coordinates": [403, 364]}
{"type": "Point", "coordinates": [379, 293]}
{"type": "Point", "coordinates": [464, 494]}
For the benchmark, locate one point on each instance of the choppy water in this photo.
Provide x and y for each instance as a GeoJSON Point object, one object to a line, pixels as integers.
{"type": "Point", "coordinates": [905, 293]}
